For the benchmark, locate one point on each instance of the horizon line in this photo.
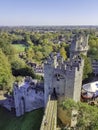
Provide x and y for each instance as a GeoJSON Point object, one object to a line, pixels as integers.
{"type": "Point", "coordinates": [47, 25]}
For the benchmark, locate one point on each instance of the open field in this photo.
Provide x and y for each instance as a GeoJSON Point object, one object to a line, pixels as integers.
{"type": "Point", "coordinates": [19, 47]}
{"type": "Point", "coordinates": [30, 121]}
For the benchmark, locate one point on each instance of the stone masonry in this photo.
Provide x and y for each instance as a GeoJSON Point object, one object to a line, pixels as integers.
{"type": "Point", "coordinates": [64, 78]}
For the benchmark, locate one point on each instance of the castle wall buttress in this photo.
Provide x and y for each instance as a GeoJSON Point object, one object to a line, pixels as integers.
{"type": "Point", "coordinates": [48, 77]}
{"type": "Point", "coordinates": [69, 88]}
{"type": "Point", "coordinates": [78, 82]}
{"type": "Point", "coordinates": [17, 101]}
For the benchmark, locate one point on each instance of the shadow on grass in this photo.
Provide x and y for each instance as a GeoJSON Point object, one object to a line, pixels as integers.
{"type": "Point", "coordinates": [29, 121]}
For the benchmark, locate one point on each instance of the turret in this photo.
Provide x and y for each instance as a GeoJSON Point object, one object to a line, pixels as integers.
{"type": "Point", "coordinates": [79, 45]}
{"type": "Point", "coordinates": [74, 72]}
{"type": "Point", "coordinates": [18, 100]}
{"type": "Point", "coordinates": [48, 71]}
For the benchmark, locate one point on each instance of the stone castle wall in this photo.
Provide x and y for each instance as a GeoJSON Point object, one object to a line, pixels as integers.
{"type": "Point", "coordinates": [65, 78]}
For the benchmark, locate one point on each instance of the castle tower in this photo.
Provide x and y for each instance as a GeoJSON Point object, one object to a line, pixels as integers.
{"type": "Point", "coordinates": [79, 45]}
{"type": "Point", "coordinates": [74, 72]}
{"type": "Point", "coordinates": [48, 76]}
{"type": "Point", "coordinates": [64, 80]}
{"type": "Point", "coordinates": [18, 100]}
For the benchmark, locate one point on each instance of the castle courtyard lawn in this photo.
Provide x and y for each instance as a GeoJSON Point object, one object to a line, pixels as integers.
{"type": "Point", "coordinates": [30, 121]}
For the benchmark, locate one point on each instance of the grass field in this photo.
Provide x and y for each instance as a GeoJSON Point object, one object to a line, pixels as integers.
{"type": "Point", "coordinates": [19, 47]}
{"type": "Point", "coordinates": [30, 121]}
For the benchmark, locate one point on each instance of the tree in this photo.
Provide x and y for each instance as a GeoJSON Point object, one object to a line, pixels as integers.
{"type": "Point", "coordinates": [93, 45]}
{"type": "Point", "coordinates": [87, 70]}
{"type": "Point", "coordinates": [63, 53]}
{"type": "Point", "coordinates": [7, 48]}
{"type": "Point", "coordinates": [17, 64]}
{"type": "Point", "coordinates": [5, 72]}
{"type": "Point", "coordinates": [39, 55]}
{"type": "Point", "coordinates": [28, 40]}
{"type": "Point", "coordinates": [87, 116]}
{"type": "Point", "coordinates": [30, 53]}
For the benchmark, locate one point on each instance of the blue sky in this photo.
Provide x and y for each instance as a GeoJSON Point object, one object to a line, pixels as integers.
{"type": "Point", "coordinates": [48, 12]}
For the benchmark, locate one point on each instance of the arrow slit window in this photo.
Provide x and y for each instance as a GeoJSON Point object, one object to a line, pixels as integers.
{"type": "Point", "coordinates": [59, 76]}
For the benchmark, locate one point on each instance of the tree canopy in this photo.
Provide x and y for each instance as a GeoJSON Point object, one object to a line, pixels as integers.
{"type": "Point", "coordinates": [87, 70]}
{"type": "Point", "coordinates": [5, 72]}
{"type": "Point", "coordinates": [63, 53]}
{"type": "Point", "coordinates": [87, 117]}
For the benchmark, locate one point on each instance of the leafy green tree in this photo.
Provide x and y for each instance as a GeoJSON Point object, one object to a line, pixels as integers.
{"type": "Point", "coordinates": [38, 55]}
{"type": "Point", "coordinates": [93, 47]}
{"type": "Point", "coordinates": [6, 77]}
{"type": "Point", "coordinates": [46, 50]}
{"type": "Point", "coordinates": [28, 40]}
{"type": "Point", "coordinates": [92, 43]}
{"type": "Point", "coordinates": [63, 53]}
{"type": "Point", "coordinates": [87, 67]}
{"type": "Point", "coordinates": [7, 48]}
{"type": "Point", "coordinates": [87, 116]}
{"type": "Point", "coordinates": [30, 53]}
{"type": "Point", "coordinates": [17, 64]}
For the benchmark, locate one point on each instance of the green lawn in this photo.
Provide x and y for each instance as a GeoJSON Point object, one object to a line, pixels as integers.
{"type": "Point", "coordinates": [30, 121]}
{"type": "Point", "coordinates": [19, 47]}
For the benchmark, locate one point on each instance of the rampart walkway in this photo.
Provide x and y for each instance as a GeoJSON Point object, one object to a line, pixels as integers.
{"type": "Point", "coordinates": [50, 118]}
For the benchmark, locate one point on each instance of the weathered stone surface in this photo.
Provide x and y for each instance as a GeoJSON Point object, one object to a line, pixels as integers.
{"type": "Point", "coordinates": [65, 78]}
{"type": "Point", "coordinates": [26, 98]}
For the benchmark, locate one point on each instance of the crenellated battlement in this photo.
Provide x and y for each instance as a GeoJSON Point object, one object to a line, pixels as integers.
{"type": "Point", "coordinates": [28, 95]}
{"type": "Point", "coordinates": [79, 45]}
{"type": "Point", "coordinates": [64, 78]}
